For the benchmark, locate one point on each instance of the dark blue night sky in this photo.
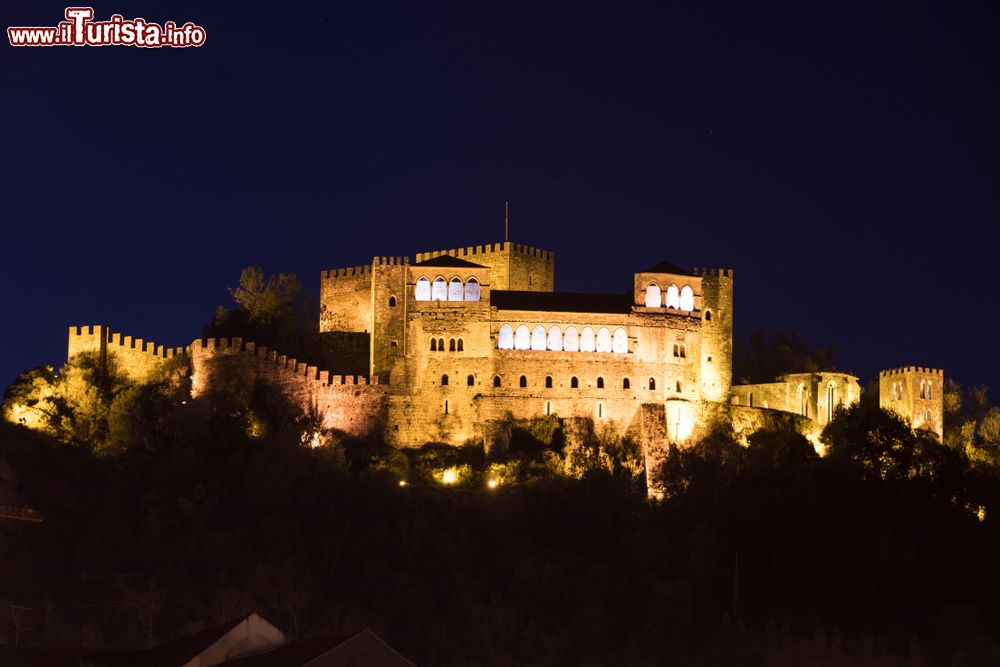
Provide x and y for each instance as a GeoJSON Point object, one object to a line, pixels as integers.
{"type": "Point", "coordinates": [842, 159]}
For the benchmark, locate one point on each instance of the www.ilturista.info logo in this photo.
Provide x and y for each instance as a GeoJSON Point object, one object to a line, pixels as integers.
{"type": "Point", "coordinates": [79, 29]}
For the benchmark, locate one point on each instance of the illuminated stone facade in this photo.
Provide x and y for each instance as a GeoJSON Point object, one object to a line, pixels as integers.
{"type": "Point", "coordinates": [815, 396]}
{"type": "Point", "coordinates": [916, 394]}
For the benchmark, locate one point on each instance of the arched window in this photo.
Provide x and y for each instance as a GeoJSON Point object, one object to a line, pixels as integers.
{"type": "Point", "coordinates": [439, 290]}
{"type": "Point", "coordinates": [603, 340]}
{"type": "Point", "coordinates": [461, 347]}
{"type": "Point", "coordinates": [620, 343]}
{"type": "Point", "coordinates": [687, 298]}
{"type": "Point", "coordinates": [652, 384]}
{"type": "Point", "coordinates": [422, 292]}
{"type": "Point", "coordinates": [654, 299]}
{"type": "Point", "coordinates": [679, 387]}
{"type": "Point", "coordinates": [472, 290]}
{"type": "Point", "coordinates": [587, 340]}
{"type": "Point", "coordinates": [626, 384]}
{"type": "Point", "coordinates": [548, 382]}
{"type": "Point", "coordinates": [673, 299]}
{"type": "Point", "coordinates": [392, 302]}
{"type": "Point", "coordinates": [574, 383]}
{"type": "Point", "coordinates": [523, 382]}
{"type": "Point", "coordinates": [470, 381]}
{"type": "Point", "coordinates": [571, 340]}
{"type": "Point", "coordinates": [434, 345]}
{"type": "Point", "coordinates": [505, 339]}
{"type": "Point", "coordinates": [677, 350]}
{"type": "Point", "coordinates": [831, 400]}
{"type": "Point", "coordinates": [683, 352]}
{"type": "Point", "coordinates": [444, 380]}
{"type": "Point", "coordinates": [451, 345]}
{"type": "Point", "coordinates": [440, 344]}
{"type": "Point", "coordinates": [456, 291]}
{"type": "Point", "coordinates": [708, 316]}
{"type": "Point", "coordinates": [555, 339]}
{"type": "Point", "coordinates": [538, 338]}
{"type": "Point", "coordinates": [522, 338]}
{"type": "Point", "coordinates": [600, 383]}
{"type": "Point", "coordinates": [496, 380]}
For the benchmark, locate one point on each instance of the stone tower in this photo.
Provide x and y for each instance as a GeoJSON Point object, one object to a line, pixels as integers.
{"type": "Point", "coordinates": [716, 333]}
{"type": "Point", "coordinates": [916, 394]}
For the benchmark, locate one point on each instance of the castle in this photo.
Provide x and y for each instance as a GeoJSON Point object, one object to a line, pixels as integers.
{"type": "Point", "coordinates": [459, 339]}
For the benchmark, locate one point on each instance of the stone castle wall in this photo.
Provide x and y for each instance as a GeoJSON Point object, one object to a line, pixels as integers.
{"type": "Point", "coordinates": [137, 359]}
{"type": "Point", "coordinates": [345, 299]}
{"type": "Point", "coordinates": [922, 411]}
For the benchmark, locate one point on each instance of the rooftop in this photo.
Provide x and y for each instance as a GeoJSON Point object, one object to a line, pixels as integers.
{"type": "Point", "coordinates": [668, 267]}
{"type": "Point", "coordinates": [449, 261]}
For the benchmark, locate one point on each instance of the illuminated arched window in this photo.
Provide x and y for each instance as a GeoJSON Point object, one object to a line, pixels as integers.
{"type": "Point", "coordinates": [434, 345]}
{"type": "Point", "coordinates": [652, 384]}
{"type": "Point", "coordinates": [654, 299]}
{"type": "Point", "coordinates": [548, 382]}
{"type": "Point", "coordinates": [538, 338]}
{"type": "Point", "coordinates": [687, 298]}
{"type": "Point", "coordinates": [555, 339]}
{"type": "Point", "coordinates": [523, 382]}
{"type": "Point", "coordinates": [439, 290]}
{"type": "Point", "coordinates": [444, 380]}
{"type": "Point", "coordinates": [600, 383]}
{"type": "Point", "coordinates": [673, 299]}
{"type": "Point", "coordinates": [505, 339]}
{"type": "Point", "coordinates": [522, 338]}
{"type": "Point", "coordinates": [620, 343]}
{"type": "Point", "coordinates": [574, 383]}
{"type": "Point", "coordinates": [603, 340]}
{"type": "Point", "coordinates": [571, 340]}
{"type": "Point", "coordinates": [626, 384]}
{"type": "Point", "coordinates": [456, 291]}
{"type": "Point", "coordinates": [496, 380]}
{"type": "Point", "coordinates": [470, 381]}
{"type": "Point", "coordinates": [472, 290]}
{"type": "Point", "coordinates": [422, 292]}
{"type": "Point", "coordinates": [587, 340]}
{"type": "Point", "coordinates": [451, 345]}
{"type": "Point", "coordinates": [461, 346]}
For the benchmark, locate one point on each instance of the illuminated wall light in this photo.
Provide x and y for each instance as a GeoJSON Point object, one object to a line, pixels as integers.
{"type": "Point", "coordinates": [493, 483]}
{"type": "Point", "coordinates": [402, 482]}
{"type": "Point", "coordinates": [449, 476]}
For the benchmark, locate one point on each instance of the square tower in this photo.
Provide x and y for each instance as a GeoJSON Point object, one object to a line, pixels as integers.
{"type": "Point", "coordinates": [916, 394]}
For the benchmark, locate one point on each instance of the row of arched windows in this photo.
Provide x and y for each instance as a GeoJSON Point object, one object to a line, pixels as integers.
{"type": "Point", "coordinates": [450, 290]}
{"type": "Point", "coordinates": [680, 351]}
{"type": "Point", "coordinates": [574, 382]}
{"type": "Point", "coordinates": [682, 299]}
{"type": "Point", "coordinates": [454, 345]}
{"type": "Point", "coordinates": [556, 340]}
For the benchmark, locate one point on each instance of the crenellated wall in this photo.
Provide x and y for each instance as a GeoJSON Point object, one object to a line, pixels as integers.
{"type": "Point", "coordinates": [513, 266]}
{"type": "Point", "coordinates": [915, 393]}
{"type": "Point", "coordinates": [345, 299]}
{"type": "Point", "coordinates": [138, 359]}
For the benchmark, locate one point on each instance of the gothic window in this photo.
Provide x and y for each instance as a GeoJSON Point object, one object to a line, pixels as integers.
{"type": "Point", "coordinates": [708, 316]}
{"type": "Point", "coordinates": [440, 344]}
{"type": "Point", "coordinates": [555, 339]}
{"type": "Point", "coordinates": [574, 383]}
{"type": "Point", "coordinates": [600, 383]}
{"type": "Point", "coordinates": [456, 292]}
{"type": "Point", "coordinates": [538, 338]}
{"type": "Point", "coordinates": [683, 352]}
{"type": "Point", "coordinates": [439, 290]}
{"type": "Point", "coordinates": [687, 298]}
{"type": "Point", "coordinates": [571, 340]}
{"type": "Point", "coordinates": [548, 382]}
{"type": "Point", "coordinates": [392, 302]}
{"type": "Point", "coordinates": [505, 339]}
{"type": "Point", "coordinates": [620, 343]}
{"type": "Point", "coordinates": [522, 338]}
{"type": "Point", "coordinates": [523, 382]}
{"type": "Point", "coordinates": [677, 350]}
{"type": "Point", "coordinates": [472, 290]}
{"type": "Point", "coordinates": [434, 345]}
{"type": "Point", "coordinates": [603, 340]}
{"type": "Point", "coordinates": [451, 345]}
{"type": "Point", "coordinates": [496, 380]}
{"type": "Point", "coordinates": [470, 381]}
{"type": "Point", "coordinates": [626, 384]}
{"type": "Point", "coordinates": [587, 340]}
{"type": "Point", "coordinates": [673, 297]}
{"type": "Point", "coordinates": [444, 380]}
{"type": "Point", "coordinates": [652, 384]}
{"type": "Point", "coordinates": [422, 292]}
{"type": "Point", "coordinates": [653, 297]}
{"type": "Point", "coordinates": [461, 346]}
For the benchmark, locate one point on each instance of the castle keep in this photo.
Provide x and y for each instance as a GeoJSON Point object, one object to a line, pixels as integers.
{"type": "Point", "coordinates": [458, 339]}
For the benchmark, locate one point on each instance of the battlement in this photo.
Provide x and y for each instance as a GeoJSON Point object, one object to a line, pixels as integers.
{"type": "Point", "coordinates": [703, 272]}
{"type": "Point", "coordinates": [911, 369]}
{"type": "Point", "coordinates": [332, 274]}
{"type": "Point", "coordinates": [472, 251]}
{"type": "Point", "coordinates": [98, 337]}
{"type": "Point", "coordinates": [391, 261]}
{"type": "Point", "coordinates": [276, 360]}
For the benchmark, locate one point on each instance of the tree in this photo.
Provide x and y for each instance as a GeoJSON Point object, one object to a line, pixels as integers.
{"type": "Point", "coordinates": [765, 356]}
